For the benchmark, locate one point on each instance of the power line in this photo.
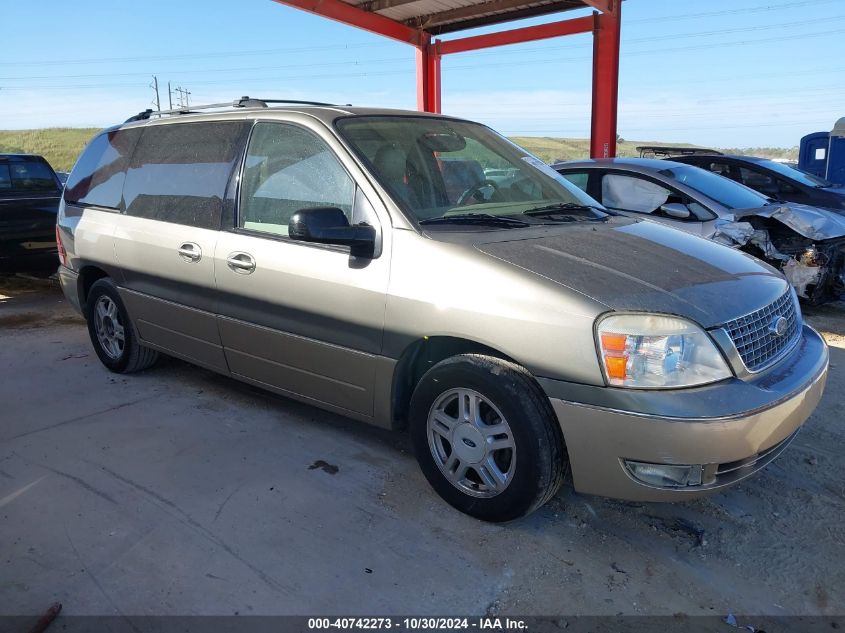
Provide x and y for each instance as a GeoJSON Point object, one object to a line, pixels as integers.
{"type": "Point", "coordinates": [479, 54]}
{"type": "Point", "coordinates": [364, 45]}
{"type": "Point", "coordinates": [542, 61]}
{"type": "Point", "coordinates": [142, 58]}
{"type": "Point", "coordinates": [790, 25]}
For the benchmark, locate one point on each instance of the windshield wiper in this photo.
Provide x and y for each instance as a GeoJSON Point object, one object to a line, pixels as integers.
{"type": "Point", "coordinates": [477, 218]}
{"type": "Point", "coordinates": [560, 208]}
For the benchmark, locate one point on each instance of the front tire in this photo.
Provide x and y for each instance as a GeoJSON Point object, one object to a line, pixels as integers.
{"type": "Point", "coordinates": [486, 437]}
{"type": "Point", "coordinates": [111, 331]}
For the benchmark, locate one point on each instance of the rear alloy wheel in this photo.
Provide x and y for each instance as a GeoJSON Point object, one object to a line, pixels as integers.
{"type": "Point", "coordinates": [109, 328]}
{"type": "Point", "coordinates": [111, 331]}
{"type": "Point", "coordinates": [486, 437]}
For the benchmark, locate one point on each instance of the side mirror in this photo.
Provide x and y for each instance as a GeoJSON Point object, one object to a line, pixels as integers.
{"type": "Point", "coordinates": [676, 210]}
{"type": "Point", "coordinates": [329, 225]}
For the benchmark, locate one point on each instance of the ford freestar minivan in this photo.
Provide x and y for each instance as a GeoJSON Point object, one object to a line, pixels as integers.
{"type": "Point", "coordinates": [412, 269]}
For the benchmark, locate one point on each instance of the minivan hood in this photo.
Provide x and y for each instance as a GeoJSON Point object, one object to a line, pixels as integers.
{"type": "Point", "coordinates": [641, 266]}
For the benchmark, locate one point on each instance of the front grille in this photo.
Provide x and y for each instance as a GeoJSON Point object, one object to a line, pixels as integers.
{"type": "Point", "coordinates": [752, 334]}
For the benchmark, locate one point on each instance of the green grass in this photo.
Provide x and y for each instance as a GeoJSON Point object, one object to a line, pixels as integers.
{"type": "Point", "coordinates": [61, 146]}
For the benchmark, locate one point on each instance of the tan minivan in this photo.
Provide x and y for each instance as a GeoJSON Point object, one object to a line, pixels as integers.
{"type": "Point", "coordinates": [412, 269]}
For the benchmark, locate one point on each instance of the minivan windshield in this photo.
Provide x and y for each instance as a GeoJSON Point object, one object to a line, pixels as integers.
{"type": "Point", "coordinates": [444, 171]}
{"type": "Point", "coordinates": [725, 191]}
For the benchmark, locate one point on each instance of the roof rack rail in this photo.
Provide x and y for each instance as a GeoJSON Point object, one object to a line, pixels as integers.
{"type": "Point", "coordinates": [662, 150]}
{"type": "Point", "coordinates": [243, 102]}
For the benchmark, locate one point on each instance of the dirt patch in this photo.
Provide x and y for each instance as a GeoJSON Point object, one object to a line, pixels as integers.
{"type": "Point", "coordinates": [829, 319]}
{"type": "Point", "coordinates": [32, 320]}
{"type": "Point", "coordinates": [24, 319]}
{"type": "Point", "coordinates": [28, 302]}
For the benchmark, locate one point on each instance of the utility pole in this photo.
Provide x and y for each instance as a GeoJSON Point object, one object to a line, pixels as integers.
{"type": "Point", "coordinates": [169, 95]}
{"type": "Point", "coordinates": [184, 97]}
{"type": "Point", "coordinates": [154, 86]}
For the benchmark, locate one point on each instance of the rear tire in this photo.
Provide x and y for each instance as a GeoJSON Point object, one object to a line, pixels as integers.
{"type": "Point", "coordinates": [486, 437]}
{"type": "Point", "coordinates": [112, 333]}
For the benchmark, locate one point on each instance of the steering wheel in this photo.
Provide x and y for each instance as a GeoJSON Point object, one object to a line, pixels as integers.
{"type": "Point", "coordinates": [466, 195]}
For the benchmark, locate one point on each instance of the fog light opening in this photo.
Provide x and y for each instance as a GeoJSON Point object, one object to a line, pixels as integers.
{"type": "Point", "coordinates": [666, 475]}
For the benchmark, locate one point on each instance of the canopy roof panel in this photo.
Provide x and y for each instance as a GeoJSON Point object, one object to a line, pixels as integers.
{"type": "Point", "coordinates": [446, 16]}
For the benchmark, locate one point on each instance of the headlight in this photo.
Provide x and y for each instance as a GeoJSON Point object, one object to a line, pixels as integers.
{"type": "Point", "coordinates": [651, 351]}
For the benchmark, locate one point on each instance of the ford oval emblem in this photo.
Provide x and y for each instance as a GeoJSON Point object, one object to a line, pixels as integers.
{"type": "Point", "coordinates": [779, 326]}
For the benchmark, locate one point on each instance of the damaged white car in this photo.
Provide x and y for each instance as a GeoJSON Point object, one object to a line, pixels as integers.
{"type": "Point", "coordinates": [806, 243]}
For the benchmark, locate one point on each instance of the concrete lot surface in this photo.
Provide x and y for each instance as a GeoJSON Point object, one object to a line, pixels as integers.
{"type": "Point", "coordinates": [177, 491]}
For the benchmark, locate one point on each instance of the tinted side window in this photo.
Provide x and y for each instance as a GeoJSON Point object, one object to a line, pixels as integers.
{"type": "Point", "coordinates": [5, 177]}
{"type": "Point", "coordinates": [32, 176]}
{"type": "Point", "coordinates": [578, 179]}
{"type": "Point", "coordinates": [287, 169]}
{"type": "Point", "coordinates": [723, 169]}
{"type": "Point", "coordinates": [757, 180]}
{"type": "Point", "coordinates": [97, 177]}
{"type": "Point", "coordinates": [179, 172]}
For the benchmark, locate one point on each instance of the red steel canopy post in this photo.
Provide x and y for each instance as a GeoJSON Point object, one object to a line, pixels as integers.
{"type": "Point", "coordinates": [605, 83]}
{"type": "Point", "coordinates": [416, 21]}
{"type": "Point", "coordinates": [428, 76]}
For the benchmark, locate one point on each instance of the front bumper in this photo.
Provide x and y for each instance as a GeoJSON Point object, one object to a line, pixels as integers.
{"type": "Point", "coordinates": [733, 428]}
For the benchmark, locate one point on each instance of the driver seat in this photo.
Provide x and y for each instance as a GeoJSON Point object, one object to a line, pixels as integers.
{"type": "Point", "coordinates": [459, 175]}
{"type": "Point", "coordinates": [391, 163]}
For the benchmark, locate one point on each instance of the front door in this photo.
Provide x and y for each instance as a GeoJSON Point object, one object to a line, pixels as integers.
{"type": "Point", "coordinates": [302, 319]}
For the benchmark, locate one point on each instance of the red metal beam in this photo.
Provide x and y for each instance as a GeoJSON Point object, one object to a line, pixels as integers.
{"type": "Point", "coordinates": [518, 36]}
{"type": "Point", "coordinates": [605, 84]}
{"type": "Point", "coordinates": [347, 14]}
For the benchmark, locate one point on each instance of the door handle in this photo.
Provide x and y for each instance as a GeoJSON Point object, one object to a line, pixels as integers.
{"type": "Point", "coordinates": [190, 252]}
{"type": "Point", "coordinates": [241, 263]}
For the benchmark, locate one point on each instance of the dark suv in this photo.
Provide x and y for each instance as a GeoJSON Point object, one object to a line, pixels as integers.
{"type": "Point", "coordinates": [29, 198]}
{"type": "Point", "coordinates": [771, 178]}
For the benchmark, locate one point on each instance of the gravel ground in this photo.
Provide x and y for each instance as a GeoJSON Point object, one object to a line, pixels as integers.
{"type": "Point", "coordinates": [177, 491]}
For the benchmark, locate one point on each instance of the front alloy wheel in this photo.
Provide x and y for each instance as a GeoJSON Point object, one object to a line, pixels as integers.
{"type": "Point", "coordinates": [486, 437]}
{"type": "Point", "coordinates": [471, 443]}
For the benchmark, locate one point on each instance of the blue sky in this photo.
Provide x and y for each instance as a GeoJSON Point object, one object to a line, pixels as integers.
{"type": "Point", "coordinates": [723, 72]}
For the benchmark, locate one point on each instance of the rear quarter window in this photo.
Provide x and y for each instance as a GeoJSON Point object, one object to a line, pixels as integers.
{"type": "Point", "coordinates": [179, 172]}
{"type": "Point", "coordinates": [97, 178]}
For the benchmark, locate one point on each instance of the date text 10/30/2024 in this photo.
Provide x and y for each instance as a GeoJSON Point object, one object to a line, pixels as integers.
{"type": "Point", "coordinates": [418, 624]}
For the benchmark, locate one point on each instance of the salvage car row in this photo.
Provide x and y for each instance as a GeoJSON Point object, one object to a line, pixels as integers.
{"type": "Point", "coordinates": [29, 197]}
{"type": "Point", "coordinates": [420, 271]}
{"type": "Point", "coordinates": [806, 243]}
